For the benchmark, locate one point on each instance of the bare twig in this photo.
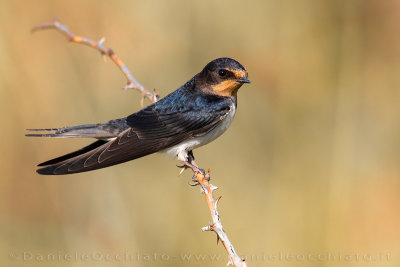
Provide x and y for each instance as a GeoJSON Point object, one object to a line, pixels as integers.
{"type": "Point", "coordinates": [99, 45]}
{"type": "Point", "coordinates": [216, 224]}
{"type": "Point", "coordinates": [201, 177]}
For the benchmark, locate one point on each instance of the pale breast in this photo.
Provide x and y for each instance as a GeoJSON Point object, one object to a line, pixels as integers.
{"type": "Point", "coordinates": [181, 149]}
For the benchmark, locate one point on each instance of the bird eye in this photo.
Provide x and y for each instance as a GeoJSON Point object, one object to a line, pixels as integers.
{"type": "Point", "coordinates": [222, 72]}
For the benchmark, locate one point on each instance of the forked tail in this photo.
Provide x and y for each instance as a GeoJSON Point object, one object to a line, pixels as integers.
{"type": "Point", "coordinates": [107, 130]}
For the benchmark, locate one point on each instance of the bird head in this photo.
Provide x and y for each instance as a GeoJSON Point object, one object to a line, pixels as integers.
{"type": "Point", "coordinates": [223, 76]}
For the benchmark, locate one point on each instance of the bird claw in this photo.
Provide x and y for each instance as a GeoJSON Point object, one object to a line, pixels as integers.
{"type": "Point", "coordinates": [196, 171]}
{"type": "Point", "coordinates": [194, 184]}
{"type": "Point", "coordinates": [183, 167]}
{"type": "Point", "coordinates": [194, 180]}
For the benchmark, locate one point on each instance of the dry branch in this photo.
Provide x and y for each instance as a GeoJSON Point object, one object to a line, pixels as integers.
{"type": "Point", "coordinates": [201, 177]}
{"type": "Point", "coordinates": [216, 225]}
{"type": "Point", "coordinates": [99, 45]}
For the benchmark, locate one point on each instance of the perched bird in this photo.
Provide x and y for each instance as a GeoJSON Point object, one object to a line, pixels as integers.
{"type": "Point", "coordinates": [190, 117]}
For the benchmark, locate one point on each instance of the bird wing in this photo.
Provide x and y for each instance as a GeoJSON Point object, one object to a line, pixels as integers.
{"type": "Point", "coordinates": [152, 129]}
{"type": "Point", "coordinates": [73, 154]}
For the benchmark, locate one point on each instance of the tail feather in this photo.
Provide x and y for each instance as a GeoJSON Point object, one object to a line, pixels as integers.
{"type": "Point", "coordinates": [73, 154]}
{"type": "Point", "coordinates": [42, 130]}
{"type": "Point", "coordinates": [61, 165]}
{"type": "Point", "coordinates": [106, 130]}
{"type": "Point", "coordinates": [86, 130]}
{"type": "Point", "coordinates": [101, 154]}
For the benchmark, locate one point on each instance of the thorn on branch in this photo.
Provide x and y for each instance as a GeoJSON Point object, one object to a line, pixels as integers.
{"type": "Point", "coordinates": [213, 187]}
{"type": "Point", "coordinates": [101, 41]}
{"type": "Point", "coordinates": [206, 228]}
{"type": "Point", "coordinates": [216, 202]}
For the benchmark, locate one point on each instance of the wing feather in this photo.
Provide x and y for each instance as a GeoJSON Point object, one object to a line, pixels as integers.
{"type": "Point", "coordinates": [152, 129]}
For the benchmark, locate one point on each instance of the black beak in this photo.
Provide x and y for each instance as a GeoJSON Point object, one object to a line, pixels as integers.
{"type": "Point", "coordinates": [243, 80]}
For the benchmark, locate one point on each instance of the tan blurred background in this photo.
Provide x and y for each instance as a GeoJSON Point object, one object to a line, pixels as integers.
{"type": "Point", "coordinates": [309, 170]}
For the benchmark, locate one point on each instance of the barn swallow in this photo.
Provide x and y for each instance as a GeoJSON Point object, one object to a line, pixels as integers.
{"type": "Point", "coordinates": [191, 116]}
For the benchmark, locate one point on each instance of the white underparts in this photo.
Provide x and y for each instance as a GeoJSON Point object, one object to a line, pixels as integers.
{"type": "Point", "coordinates": [181, 150]}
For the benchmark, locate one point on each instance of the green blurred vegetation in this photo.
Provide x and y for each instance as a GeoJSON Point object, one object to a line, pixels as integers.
{"type": "Point", "coordinates": [310, 164]}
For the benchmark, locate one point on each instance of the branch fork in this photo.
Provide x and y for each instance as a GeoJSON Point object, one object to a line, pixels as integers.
{"type": "Point", "coordinates": [200, 177]}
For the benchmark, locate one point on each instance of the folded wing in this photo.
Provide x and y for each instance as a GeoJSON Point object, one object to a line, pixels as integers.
{"type": "Point", "coordinates": [152, 129]}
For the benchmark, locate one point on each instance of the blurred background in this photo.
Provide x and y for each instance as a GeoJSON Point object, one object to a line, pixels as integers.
{"type": "Point", "coordinates": [309, 170]}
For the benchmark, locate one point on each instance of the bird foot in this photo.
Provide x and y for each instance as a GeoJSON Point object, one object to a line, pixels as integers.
{"type": "Point", "coordinates": [196, 170]}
